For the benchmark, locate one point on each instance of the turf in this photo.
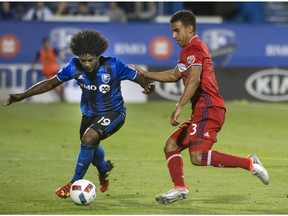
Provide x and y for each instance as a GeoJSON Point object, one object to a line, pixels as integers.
{"type": "Point", "coordinates": [39, 145]}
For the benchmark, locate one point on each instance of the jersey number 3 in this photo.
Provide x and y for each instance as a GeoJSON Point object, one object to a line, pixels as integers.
{"type": "Point", "coordinates": [194, 129]}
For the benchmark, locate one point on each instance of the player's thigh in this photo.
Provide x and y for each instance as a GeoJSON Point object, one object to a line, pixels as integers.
{"type": "Point", "coordinates": [103, 125]}
{"type": "Point", "coordinates": [179, 139]}
{"type": "Point", "coordinates": [107, 124]}
{"type": "Point", "coordinates": [205, 125]}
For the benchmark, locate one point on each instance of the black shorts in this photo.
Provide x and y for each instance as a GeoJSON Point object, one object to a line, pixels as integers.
{"type": "Point", "coordinates": [105, 125]}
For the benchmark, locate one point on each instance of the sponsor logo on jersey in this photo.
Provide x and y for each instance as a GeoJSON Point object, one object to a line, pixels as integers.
{"type": "Point", "coordinates": [268, 85]}
{"type": "Point", "coordinates": [104, 88]}
{"type": "Point", "coordinates": [88, 87]}
{"type": "Point", "coordinates": [106, 78]}
{"type": "Point", "coordinates": [221, 43]}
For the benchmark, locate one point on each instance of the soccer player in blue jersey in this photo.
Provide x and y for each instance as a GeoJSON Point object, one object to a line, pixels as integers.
{"type": "Point", "coordinates": [102, 105]}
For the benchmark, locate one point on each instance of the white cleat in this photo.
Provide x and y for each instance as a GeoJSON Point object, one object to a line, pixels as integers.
{"type": "Point", "coordinates": [172, 195]}
{"type": "Point", "coordinates": [258, 169]}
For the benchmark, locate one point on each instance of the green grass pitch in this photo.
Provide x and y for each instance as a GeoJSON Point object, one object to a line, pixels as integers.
{"type": "Point", "coordinates": [39, 145]}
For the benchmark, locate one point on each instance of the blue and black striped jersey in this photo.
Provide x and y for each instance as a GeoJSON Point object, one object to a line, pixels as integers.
{"type": "Point", "coordinates": [101, 91]}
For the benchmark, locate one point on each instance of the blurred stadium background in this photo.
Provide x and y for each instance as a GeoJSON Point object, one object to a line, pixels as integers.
{"type": "Point", "coordinates": [248, 43]}
{"type": "Point", "coordinates": [249, 47]}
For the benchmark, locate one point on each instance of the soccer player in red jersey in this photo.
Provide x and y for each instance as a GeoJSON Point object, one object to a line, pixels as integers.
{"type": "Point", "coordinates": [199, 132]}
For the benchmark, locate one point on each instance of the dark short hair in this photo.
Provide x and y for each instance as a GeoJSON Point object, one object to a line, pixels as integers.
{"type": "Point", "coordinates": [45, 39]}
{"type": "Point", "coordinates": [186, 17]}
{"type": "Point", "coordinates": [88, 41]}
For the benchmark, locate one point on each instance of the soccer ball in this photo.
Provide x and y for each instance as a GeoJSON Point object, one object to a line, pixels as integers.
{"type": "Point", "coordinates": [83, 192]}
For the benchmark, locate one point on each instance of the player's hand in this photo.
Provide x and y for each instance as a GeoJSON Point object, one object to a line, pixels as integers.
{"type": "Point", "coordinates": [13, 98]}
{"type": "Point", "coordinates": [139, 69]}
{"type": "Point", "coordinates": [149, 89]}
{"type": "Point", "coordinates": [174, 116]}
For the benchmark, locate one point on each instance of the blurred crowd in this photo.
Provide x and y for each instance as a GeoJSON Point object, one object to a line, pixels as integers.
{"type": "Point", "coordinates": [240, 12]}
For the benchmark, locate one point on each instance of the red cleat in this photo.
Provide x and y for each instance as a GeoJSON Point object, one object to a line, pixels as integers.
{"type": "Point", "coordinates": [104, 178]}
{"type": "Point", "coordinates": [64, 192]}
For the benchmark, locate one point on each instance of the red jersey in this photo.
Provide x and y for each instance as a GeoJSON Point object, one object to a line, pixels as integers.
{"type": "Point", "coordinates": [196, 53]}
{"type": "Point", "coordinates": [49, 61]}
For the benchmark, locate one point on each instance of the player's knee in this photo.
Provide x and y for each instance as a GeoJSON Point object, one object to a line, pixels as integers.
{"type": "Point", "coordinates": [90, 137]}
{"type": "Point", "coordinates": [196, 161]}
{"type": "Point", "coordinates": [170, 145]}
{"type": "Point", "coordinates": [87, 140]}
{"type": "Point", "coordinates": [196, 158]}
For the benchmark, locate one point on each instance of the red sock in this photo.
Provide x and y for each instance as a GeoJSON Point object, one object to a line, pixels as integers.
{"type": "Point", "coordinates": [175, 166]}
{"type": "Point", "coordinates": [218, 159]}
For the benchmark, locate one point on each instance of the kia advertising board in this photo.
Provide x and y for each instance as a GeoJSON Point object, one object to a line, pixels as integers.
{"type": "Point", "coordinates": [236, 84]}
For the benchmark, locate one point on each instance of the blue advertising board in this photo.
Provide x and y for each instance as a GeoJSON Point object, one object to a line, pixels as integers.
{"type": "Point", "coordinates": [231, 45]}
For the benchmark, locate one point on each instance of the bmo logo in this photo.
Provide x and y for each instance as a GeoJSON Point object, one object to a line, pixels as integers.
{"type": "Point", "coordinates": [161, 48]}
{"type": "Point", "coordinates": [268, 85]}
{"type": "Point", "coordinates": [9, 46]}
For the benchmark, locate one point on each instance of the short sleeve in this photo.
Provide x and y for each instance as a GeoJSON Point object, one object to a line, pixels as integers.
{"type": "Point", "coordinates": [193, 56]}
{"type": "Point", "coordinates": [67, 72]}
{"type": "Point", "coordinates": [125, 72]}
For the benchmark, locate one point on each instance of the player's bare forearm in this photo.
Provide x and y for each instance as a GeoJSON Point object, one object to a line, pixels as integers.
{"type": "Point", "coordinates": [145, 83]}
{"type": "Point", "coordinates": [189, 91]}
{"type": "Point", "coordinates": [38, 88]}
{"type": "Point", "coordinates": [164, 76]}
{"type": "Point", "coordinates": [192, 83]}
{"type": "Point", "coordinates": [42, 87]}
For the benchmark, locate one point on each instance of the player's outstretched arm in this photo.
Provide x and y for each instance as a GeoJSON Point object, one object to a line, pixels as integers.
{"type": "Point", "coordinates": [145, 83]}
{"type": "Point", "coordinates": [164, 76]}
{"type": "Point", "coordinates": [38, 88]}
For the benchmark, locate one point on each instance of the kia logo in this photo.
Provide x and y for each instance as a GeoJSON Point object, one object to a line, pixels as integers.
{"type": "Point", "coordinates": [268, 85]}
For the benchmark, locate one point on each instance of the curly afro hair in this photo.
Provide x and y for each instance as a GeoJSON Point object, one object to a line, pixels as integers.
{"type": "Point", "coordinates": [88, 41]}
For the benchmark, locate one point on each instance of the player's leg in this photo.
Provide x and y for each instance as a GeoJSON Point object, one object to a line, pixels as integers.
{"type": "Point", "coordinates": [89, 141]}
{"type": "Point", "coordinates": [222, 160]}
{"type": "Point", "coordinates": [174, 159]}
{"type": "Point", "coordinates": [202, 155]}
{"type": "Point", "coordinates": [174, 163]}
{"type": "Point", "coordinates": [105, 125]}
{"type": "Point", "coordinates": [84, 159]}
{"type": "Point", "coordinates": [104, 167]}
{"type": "Point", "coordinates": [204, 136]}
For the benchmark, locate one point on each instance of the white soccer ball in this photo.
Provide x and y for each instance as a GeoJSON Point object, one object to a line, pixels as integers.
{"type": "Point", "coordinates": [83, 192]}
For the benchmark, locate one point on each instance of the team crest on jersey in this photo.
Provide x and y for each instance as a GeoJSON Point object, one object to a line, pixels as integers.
{"type": "Point", "coordinates": [106, 78]}
{"type": "Point", "coordinates": [191, 59]}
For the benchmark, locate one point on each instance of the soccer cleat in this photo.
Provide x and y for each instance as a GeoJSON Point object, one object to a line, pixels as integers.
{"type": "Point", "coordinates": [258, 169]}
{"type": "Point", "coordinates": [172, 195]}
{"type": "Point", "coordinates": [104, 178]}
{"type": "Point", "coordinates": [64, 192]}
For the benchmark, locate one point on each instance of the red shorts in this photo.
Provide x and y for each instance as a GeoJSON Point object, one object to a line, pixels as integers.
{"type": "Point", "coordinates": [200, 131]}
